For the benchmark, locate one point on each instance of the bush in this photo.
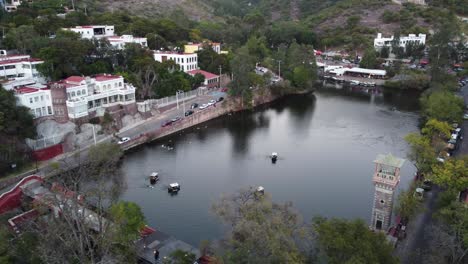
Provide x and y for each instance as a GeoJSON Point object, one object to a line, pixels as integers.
{"type": "Point", "coordinates": [95, 120]}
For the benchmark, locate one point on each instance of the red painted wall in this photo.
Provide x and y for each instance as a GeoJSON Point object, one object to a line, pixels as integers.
{"type": "Point", "coordinates": [12, 199]}
{"type": "Point", "coordinates": [48, 153]}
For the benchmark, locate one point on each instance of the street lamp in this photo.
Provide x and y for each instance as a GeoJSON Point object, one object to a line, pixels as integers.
{"type": "Point", "coordinates": [94, 134]}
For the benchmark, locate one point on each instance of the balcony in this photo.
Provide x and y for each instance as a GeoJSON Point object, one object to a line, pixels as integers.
{"type": "Point", "coordinates": [385, 179]}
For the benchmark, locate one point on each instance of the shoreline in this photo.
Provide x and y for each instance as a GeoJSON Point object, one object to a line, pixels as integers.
{"type": "Point", "coordinates": [229, 106]}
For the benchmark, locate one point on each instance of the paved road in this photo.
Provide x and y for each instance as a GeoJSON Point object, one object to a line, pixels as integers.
{"type": "Point", "coordinates": [411, 250]}
{"type": "Point", "coordinates": [156, 122]}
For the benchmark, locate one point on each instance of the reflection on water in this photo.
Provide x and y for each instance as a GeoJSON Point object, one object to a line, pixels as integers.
{"type": "Point", "coordinates": [327, 142]}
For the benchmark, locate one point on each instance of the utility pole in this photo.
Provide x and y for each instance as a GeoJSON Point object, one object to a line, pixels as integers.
{"type": "Point", "coordinates": [94, 135]}
{"type": "Point", "coordinates": [220, 74]}
{"type": "Point", "coordinates": [183, 102]}
{"type": "Point", "coordinates": [279, 69]}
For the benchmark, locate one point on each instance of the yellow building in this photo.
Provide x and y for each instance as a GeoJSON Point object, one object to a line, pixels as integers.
{"type": "Point", "coordinates": [194, 47]}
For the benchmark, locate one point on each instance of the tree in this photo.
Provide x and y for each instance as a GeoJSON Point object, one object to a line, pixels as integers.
{"type": "Point", "coordinates": [437, 129]}
{"type": "Point", "coordinates": [337, 242]}
{"type": "Point", "coordinates": [384, 52]}
{"type": "Point", "coordinates": [421, 152]}
{"type": "Point", "coordinates": [180, 257]}
{"type": "Point", "coordinates": [16, 124]}
{"type": "Point", "coordinates": [407, 204]}
{"type": "Point", "coordinates": [129, 219]}
{"type": "Point", "coordinates": [74, 235]}
{"type": "Point", "coordinates": [452, 174]}
{"type": "Point", "coordinates": [369, 60]}
{"type": "Point", "coordinates": [261, 231]}
{"type": "Point", "coordinates": [197, 80]}
{"type": "Point", "coordinates": [22, 38]}
{"type": "Point", "coordinates": [241, 65]}
{"type": "Point", "coordinates": [443, 106]}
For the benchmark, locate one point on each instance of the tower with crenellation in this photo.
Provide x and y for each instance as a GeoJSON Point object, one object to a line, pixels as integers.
{"type": "Point", "coordinates": [386, 178]}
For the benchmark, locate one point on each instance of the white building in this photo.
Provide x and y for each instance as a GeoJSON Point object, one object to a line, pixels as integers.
{"type": "Point", "coordinates": [19, 70]}
{"type": "Point", "coordinates": [381, 42]}
{"type": "Point", "coordinates": [358, 72]}
{"type": "Point", "coordinates": [186, 61]}
{"type": "Point", "coordinates": [119, 42]}
{"type": "Point", "coordinates": [86, 94]}
{"type": "Point", "coordinates": [36, 97]}
{"type": "Point", "coordinates": [89, 32]}
{"type": "Point", "coordinates": [11, 5]}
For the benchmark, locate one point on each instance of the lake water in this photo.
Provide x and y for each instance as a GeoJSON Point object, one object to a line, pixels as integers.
{"type": "Point", "coordinates": [326, 141]}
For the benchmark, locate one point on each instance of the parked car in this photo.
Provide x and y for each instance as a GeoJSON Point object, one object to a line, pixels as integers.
{"type": "Point", "coordinates": [203, 106]}
{"type": "Point", "coordinates": [194, 105]}
{"type": "Point", "coordinates": [176, 119]}
{"type": "Point", "coordinates": [167, 123]}
{"type": "Point", "coordinates": [123, 140]}
{"type": "Point", "coordinates": [465, 116]}
{"type": "Point", "coordinates": [224, 90]}
{"type": "Point", "coordinates": [220, 99]}
{"type": "Point", "coordinates": [439, 159]}
{"type": "Point", "coordinates": [211, 102]}
{"type": "Point", "coordinates": [188, 112]}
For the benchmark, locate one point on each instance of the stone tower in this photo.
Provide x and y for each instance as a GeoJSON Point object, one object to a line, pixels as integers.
{"type": "Point", "coordinates": [386, 179]}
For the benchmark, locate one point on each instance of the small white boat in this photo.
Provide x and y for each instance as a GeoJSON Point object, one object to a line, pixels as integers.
{"type": "Point", "coordinates": [174, 187]}
{"type": "Point", "coordinates": [274, 157]}
{"type": "Point", "coordinates": [260, 190]}
{"type": "Point", "coordinates": [154, 177]}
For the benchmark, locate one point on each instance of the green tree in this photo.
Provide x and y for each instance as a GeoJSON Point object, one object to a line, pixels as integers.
{"type": "Point", "coordinates": [261, 231]}
{"type": "Point", "coordinates": [421, 153]}
{"type": "Point", "coordinates": [435, 128]}
{"type": "Point", "coordinates": [452, 174]}
{"type": "Point", "coordinates": [180, 257]}
{"type": "Point", "coordinates": [16, 124]}
{"type": "Point", "coordinates": [443, 106]}
{"type": "Point", "coordinates": [384, 52]}
{"type": "Point", "coordinates": [129, 219]}
{"type": "Point", "coordinates": [337, 242]}
{"type": "Point", "coordinates": [22, 38]}
{"type": "Point", "coordinates": [407, 204]}
{"type": "Point", "coordinates": [369, 60]}
{"type": "Point", "coordinates": [241, 65]}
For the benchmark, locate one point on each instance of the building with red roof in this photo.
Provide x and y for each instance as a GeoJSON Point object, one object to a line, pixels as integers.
{"type": "Point", "coordinates": [86, 97]}
{"type": "Point", "coordinates": [18, 70]}
{"type": "Point", "coordinates": [37, 98]}
{"type": "Point", "coordinates": [211, 80]}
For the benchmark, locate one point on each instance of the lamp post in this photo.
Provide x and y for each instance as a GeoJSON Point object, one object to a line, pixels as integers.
{"type": "Point", "coordinates": [279, 69]}
{"type": "Point", "coordinates": [94, 134]}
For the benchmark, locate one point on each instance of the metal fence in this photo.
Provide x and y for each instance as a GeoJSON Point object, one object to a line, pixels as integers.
{"type": "Point", "coordinates": [41, 143]}
{"type": "Point", "coordinates": [181, 97]}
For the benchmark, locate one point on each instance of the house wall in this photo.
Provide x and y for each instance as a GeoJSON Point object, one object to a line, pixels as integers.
{"type": "Point", "coordinates": [40, 102]}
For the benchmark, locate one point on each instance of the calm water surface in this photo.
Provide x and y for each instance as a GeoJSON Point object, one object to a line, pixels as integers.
{"type": "Point", "coordinates": [326, 140]}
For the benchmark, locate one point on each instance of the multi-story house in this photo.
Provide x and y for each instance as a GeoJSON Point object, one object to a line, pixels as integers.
{"type": "Point", "coordinates": [11, 5]}
{"type": "Point", "coordinates": [37, 98]}
{"type": "Point", "coordinates": [19, 70]}
{"type": "Point", "coordinates": [381, 42]}
{"type": "Point", "coordinates": [89, 32]}
{"type": "Point", "coordinates": [186, 61]}
{"type": "Point", "coordinates": [90, 96]}
{"type": "Point", "coordinates": [107, 32]}
{"type": "Point", "coordinates": [119, 42]}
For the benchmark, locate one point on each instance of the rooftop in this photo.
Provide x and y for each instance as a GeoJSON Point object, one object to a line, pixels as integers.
{"type": "Point", "coordinates": [172, 52]}
{"type": "Point", "coordinates": [75, 79]}
{"type": "Point", "coordinates": [106, 77]}
{"type": "Point", "coordinates": [12, 61]}
{"type": "Point", "coordinates": [208, 75]}
{"type": "Point", "coordinates": [389, 160]}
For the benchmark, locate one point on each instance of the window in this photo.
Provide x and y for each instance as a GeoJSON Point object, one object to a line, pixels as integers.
{"type": "Point", "coordinates": [9, 67]}
{"type": "Point", "coordinates": [78, 93]}
{"type": "Point", "coordinates": [42, 98]}
{"type": "Point", "coordinates": [120, 84]}
{"type": "Point", "coordinates": [83, 92]}
{"type": "Point", "coordinates": [36, 99]}
{"type": "Point", "coordinates": [30, 100]}
{"type": "Point", "coordinates": [73, 94]}
{"type": "Point", "coordinates": [68, 96]}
